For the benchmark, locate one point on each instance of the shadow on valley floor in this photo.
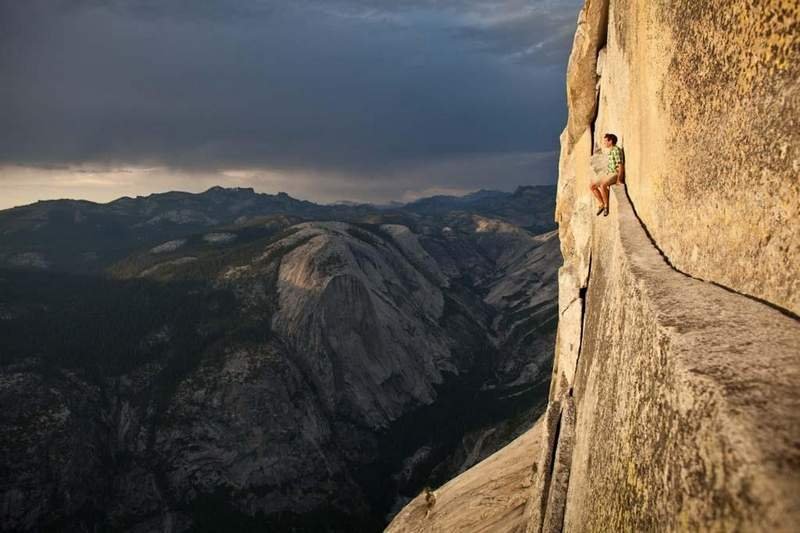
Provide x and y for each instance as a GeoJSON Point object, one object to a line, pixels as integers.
{"type": "Point", "coordinates": [94, 326]}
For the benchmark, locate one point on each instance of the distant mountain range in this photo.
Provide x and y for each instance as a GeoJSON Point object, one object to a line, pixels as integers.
{"type": "Point", "coordinates": [233, 361]}
{"type": "Point", "coordinates": [83, 236]}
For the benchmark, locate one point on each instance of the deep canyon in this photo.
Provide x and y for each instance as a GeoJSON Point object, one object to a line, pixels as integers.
{"type": "Point", "coordinates": [233, 360]}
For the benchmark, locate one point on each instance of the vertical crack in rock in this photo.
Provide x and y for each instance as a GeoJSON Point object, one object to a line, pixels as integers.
{"type": "Point", "coordinates": [671, 264]}
{"type": "Point", "coordinates": [543, 470]}
{"type": "Point", "coordinates": [553, 497]}
{"type": "Point", "coordinates": [582, 295]}
{"type": "Point", "coordinates": [549, 495]}
{"type": "Point", "coordinates": [552, 456]}
{"type": "Point", "coordinates": [560, 470]}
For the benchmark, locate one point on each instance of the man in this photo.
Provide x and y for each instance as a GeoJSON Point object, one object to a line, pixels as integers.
{"type": "Point", "coordinates": [615, 173]}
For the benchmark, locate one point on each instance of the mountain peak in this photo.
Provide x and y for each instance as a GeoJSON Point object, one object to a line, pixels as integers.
{"type": "Point", "coordinates": [218, 189]}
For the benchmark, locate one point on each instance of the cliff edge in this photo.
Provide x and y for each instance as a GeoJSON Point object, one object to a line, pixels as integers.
{"type": "Point", "coordinates": [675, 396]}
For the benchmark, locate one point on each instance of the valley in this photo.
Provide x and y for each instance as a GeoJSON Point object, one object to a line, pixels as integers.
{"type": "Point", "coordinates": [307, 367]}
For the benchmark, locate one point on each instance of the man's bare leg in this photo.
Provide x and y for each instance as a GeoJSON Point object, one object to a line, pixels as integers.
{"type": "Point", "coordinates": [596, 192]}
{"type": "Point", "coordinates": [604, 193]}
{"type": "Point", "coordinates": [605, 187]}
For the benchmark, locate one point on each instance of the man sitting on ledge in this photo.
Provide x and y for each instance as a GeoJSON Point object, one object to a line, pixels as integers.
{"type": "Point", "coordinates": [615, 173]}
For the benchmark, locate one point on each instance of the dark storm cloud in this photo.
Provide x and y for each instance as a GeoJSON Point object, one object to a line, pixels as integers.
{"type": "Point", "coordinates": [356, 88]}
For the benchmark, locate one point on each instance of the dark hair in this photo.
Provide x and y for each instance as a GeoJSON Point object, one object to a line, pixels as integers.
{"type": "Point", "coordinates": [611, 137]}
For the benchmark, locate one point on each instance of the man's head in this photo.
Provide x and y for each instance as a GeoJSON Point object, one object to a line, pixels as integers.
{"type": "Point", "coordinates": [609, 140]}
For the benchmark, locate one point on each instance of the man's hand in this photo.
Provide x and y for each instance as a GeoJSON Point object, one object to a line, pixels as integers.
{"type": "Point", "coordinates": [621, 174]}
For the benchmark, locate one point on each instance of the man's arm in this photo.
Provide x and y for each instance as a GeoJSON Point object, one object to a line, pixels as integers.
{"type": "Point", "coordinates": [621, 173]}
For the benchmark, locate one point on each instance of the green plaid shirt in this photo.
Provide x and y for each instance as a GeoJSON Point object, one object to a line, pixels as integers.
{"type": "Point", "coordinates": [615, 158]}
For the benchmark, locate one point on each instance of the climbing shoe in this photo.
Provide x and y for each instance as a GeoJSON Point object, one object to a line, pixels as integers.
{"type": "Point", "coordinates": [605, 211]}
{"type": "Point", "coordinates": [602, 208]}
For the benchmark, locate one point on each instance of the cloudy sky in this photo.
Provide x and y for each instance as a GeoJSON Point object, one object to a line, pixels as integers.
{"type": "Point", "coordinates": [369, 100]}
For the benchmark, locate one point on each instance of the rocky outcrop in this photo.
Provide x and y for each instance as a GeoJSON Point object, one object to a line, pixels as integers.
{"type": "Point", "coordinates": [675, 396]}
{"type": "Point", "coordinates": [490, 497]}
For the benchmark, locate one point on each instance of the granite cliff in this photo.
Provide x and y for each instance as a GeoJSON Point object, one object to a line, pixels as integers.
{"type": "Point", "coordinates": [675, 396]}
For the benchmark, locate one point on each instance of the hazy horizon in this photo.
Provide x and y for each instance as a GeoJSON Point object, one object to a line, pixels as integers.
{"type": "Point", "coordinates": [429, 193]}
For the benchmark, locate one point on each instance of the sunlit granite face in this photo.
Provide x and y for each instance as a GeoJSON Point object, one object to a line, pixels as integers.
{"type": "Point", "coordinates": [704, 97]}
{"type": "Point", "coordinates": [685, 393]}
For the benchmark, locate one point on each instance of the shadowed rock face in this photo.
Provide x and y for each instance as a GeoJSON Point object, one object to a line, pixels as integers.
{"type": "Point", "coordinates": [307, 374]}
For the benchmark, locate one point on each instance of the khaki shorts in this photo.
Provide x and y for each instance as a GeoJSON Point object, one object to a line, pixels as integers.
{"type": "Point", "coordinates": [599, 179]}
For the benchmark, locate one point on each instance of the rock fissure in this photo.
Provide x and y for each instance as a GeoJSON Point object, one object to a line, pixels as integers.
{"type": "Point", "coordinates": [620, 386]}
{"type": "Point", "coordinates": [552, 459]}
{"type": "Point", "coordinates": [671, 264]}
{"type": "Point", "coordinates": [560, 470]}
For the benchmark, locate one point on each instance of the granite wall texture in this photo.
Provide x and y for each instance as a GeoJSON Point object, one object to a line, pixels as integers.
{"type": "Point", "coordinates": [705, 97]}
{"type": "Point", "coordinates": [676, 385]}
{"type": "Point", "coordinates": [675, 398]}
